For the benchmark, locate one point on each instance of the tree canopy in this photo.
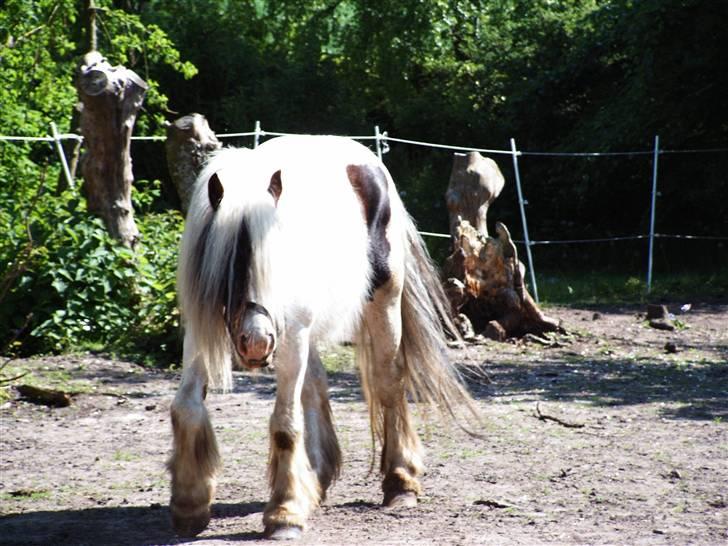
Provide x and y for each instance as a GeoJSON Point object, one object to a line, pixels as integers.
{"type": "Point", "coordinates": [558, 75]}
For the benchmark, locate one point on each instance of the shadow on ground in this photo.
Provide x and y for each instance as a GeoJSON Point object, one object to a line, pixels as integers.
{"type": "Point", "coordinates": [700, 391]}
{"type": "Point", "coordinates": [132, 525]}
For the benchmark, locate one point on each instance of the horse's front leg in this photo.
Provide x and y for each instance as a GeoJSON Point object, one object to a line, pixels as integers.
{"type": "Point", "coordinates": [195, 460]}
{"type": "Point", "coordinates": [295, 488]}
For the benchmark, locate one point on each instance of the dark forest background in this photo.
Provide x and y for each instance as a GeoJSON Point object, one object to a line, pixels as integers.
{"type": "Point", "coordinates": [556, 75]}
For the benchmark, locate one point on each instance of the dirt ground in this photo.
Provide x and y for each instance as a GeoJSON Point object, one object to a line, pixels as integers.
{"type": "Point", "coordinates": [631, 447]}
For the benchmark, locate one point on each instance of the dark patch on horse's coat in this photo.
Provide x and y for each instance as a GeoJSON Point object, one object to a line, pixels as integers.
{"type": "Point", "coordinates": [283, 441]}
{"type": "Point", "coordinates": [215, 191]}
{"type": "Point", "coordinates": [370, 185]}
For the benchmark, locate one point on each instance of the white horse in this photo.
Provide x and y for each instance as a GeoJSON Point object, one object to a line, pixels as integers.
{"type": "Point", "coordinates": [302, 240]}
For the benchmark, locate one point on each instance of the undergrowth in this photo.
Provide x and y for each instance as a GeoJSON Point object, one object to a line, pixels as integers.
{"type": "Point", "coordinates": [66, 285]}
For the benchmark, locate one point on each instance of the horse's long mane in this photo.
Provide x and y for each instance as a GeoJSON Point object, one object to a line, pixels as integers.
{"type": "Point", "coordinates": [216, 261]}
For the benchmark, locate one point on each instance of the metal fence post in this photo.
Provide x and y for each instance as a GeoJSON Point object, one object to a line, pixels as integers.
{"type": "Point", "coordinates": [256, 137]}
{"type": "Point", "coordinates": [62, 155]}
{"type": "Point", "coordinates": [521, 202]}
{"type": "Point", "coordinates": [378, 140]}
{"type": "Point", "coordinates": [655, 156]}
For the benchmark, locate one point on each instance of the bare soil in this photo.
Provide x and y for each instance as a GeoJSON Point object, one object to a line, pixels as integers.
{"type": "Point", "coordinates": [603, 436]}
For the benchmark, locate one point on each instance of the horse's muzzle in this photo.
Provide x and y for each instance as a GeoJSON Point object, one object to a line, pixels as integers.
{"type": "Point", "coordinates": [255, 341]}
{"type": "Point", "coordinates": [256, 349]}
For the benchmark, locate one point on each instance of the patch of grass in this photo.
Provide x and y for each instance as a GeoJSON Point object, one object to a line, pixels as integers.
{"type": "Point", "coordinates": [469, 453]}
{"type": "Point", "coordinates": [611, 288]}
{"type": "Point", "coordinates": [124, 456]}
{"type": "Point", "coordinates": [337, 358]}
{"type": "Point", "coordinates": [26, 495]}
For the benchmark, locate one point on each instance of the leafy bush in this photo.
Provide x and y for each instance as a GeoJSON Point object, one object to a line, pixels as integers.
{"type": "Point", "coordinates": [66, 285]}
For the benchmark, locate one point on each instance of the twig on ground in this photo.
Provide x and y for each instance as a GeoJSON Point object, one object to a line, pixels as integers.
{"type": "Point", "coordinates": [546, 341]}
{"type": "Point", "coordinates": [544, 417]}
{"type": "Point", "coordinates": [493, 503]}
{"type": "Point", "coordinates": [10, 379]}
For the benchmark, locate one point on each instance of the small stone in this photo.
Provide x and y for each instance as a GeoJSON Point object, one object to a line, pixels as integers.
{"type": "Point", "coordinates": [670, 347]}
{"type": "Point", "coordinates": [596, 316]}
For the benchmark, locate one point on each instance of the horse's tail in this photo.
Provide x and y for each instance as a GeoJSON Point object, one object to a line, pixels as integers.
{"type": "Point", "coordinates": [430, 376]}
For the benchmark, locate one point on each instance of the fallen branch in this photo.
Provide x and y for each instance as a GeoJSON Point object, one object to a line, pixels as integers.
{"type": "Point", "coordinates": [45, 397]}
{"type": "Point", "coordinates": [543, 417]}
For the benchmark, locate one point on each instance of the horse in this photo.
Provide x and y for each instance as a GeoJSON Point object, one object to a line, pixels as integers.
{"type": "Point", "coordinates": [301, 241]}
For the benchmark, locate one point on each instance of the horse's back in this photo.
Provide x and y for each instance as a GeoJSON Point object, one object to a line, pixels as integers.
{"type": "Point", "coordinates": [324, 237]}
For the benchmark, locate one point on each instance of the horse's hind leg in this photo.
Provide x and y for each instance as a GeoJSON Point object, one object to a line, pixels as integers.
{"type": "Point", "coordinates": [384, 379]}
{"type": "Point", "coordinates": [195, 458]}
{"type": "Point", "coordinates": [322, 446]}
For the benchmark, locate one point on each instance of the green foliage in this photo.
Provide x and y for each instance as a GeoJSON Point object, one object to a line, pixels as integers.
{"type": "Point", "coordinates": [127, 41]}
{"type": "Point", "coordinates": [63, 283]}
{"type": "Point", "coordinates": [68, 285]}
{"type": "Point", "coordinates": [558, 75]}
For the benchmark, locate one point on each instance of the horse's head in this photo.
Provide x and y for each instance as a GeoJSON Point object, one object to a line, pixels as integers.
{"type": "Point", "coordinates": [250, 325]}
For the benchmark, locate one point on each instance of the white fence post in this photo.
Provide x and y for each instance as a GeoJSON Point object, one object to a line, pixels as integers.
{"type": "Point", "coordinates": [378, 140]}
{"type": "Point", "coordinates": [521, 203]}
{"type": "Point", "coordinates": [62, 155]}
{"type": "Point", "coordinates": [256, 137]}
{"type": "Point", "coordinates": [655, 156]}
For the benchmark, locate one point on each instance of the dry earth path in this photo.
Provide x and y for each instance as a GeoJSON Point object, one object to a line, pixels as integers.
{"type": "Point", "coordinates": [606, 436]}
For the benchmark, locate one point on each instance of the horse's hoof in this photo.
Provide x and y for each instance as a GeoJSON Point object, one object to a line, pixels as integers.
{"type": "Point", "coordinates": [283, 532]}
{"type": "Point", "coordinates": [400, 499]}
{"type": "Point", "coordinates": [187, 526]}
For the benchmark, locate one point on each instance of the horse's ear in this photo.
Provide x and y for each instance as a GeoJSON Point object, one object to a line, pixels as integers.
{"type": "Point", "coordinates": [275, 187]}
{"type": "Point", "coordinates": [215, 191]}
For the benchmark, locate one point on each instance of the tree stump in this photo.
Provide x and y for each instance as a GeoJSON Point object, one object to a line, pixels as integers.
{"type": "Point", "coordinates": [485, 283]}
{"type": "Point", "coordinates": [475, 182]}
{"type": "Point", "coordinates": [190, 141]}
{"type": "Point", "coordinates": [485, 278]}
{"type": "Point", "coordinates": [111, 98]}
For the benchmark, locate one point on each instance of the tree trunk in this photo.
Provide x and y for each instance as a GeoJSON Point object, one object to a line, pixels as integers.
{"type": "Point", "coordinates": [190, 141]}
{"type": "Point", "coordinates": [475, 182]}
{"type": "Point", "coordinates": [111, 97]}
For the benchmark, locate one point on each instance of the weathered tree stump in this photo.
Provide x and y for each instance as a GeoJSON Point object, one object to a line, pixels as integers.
{"type": "Point", "coordinates": [485, 283]}
{"type": "Point", "coordinates": [111, 97]}
{"type": "Point", "coordinates": [475, 182]}
{"type": "Point", "coordinates": [190, 141]}
{"type": "Point", "coordinates": [485, 278]}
